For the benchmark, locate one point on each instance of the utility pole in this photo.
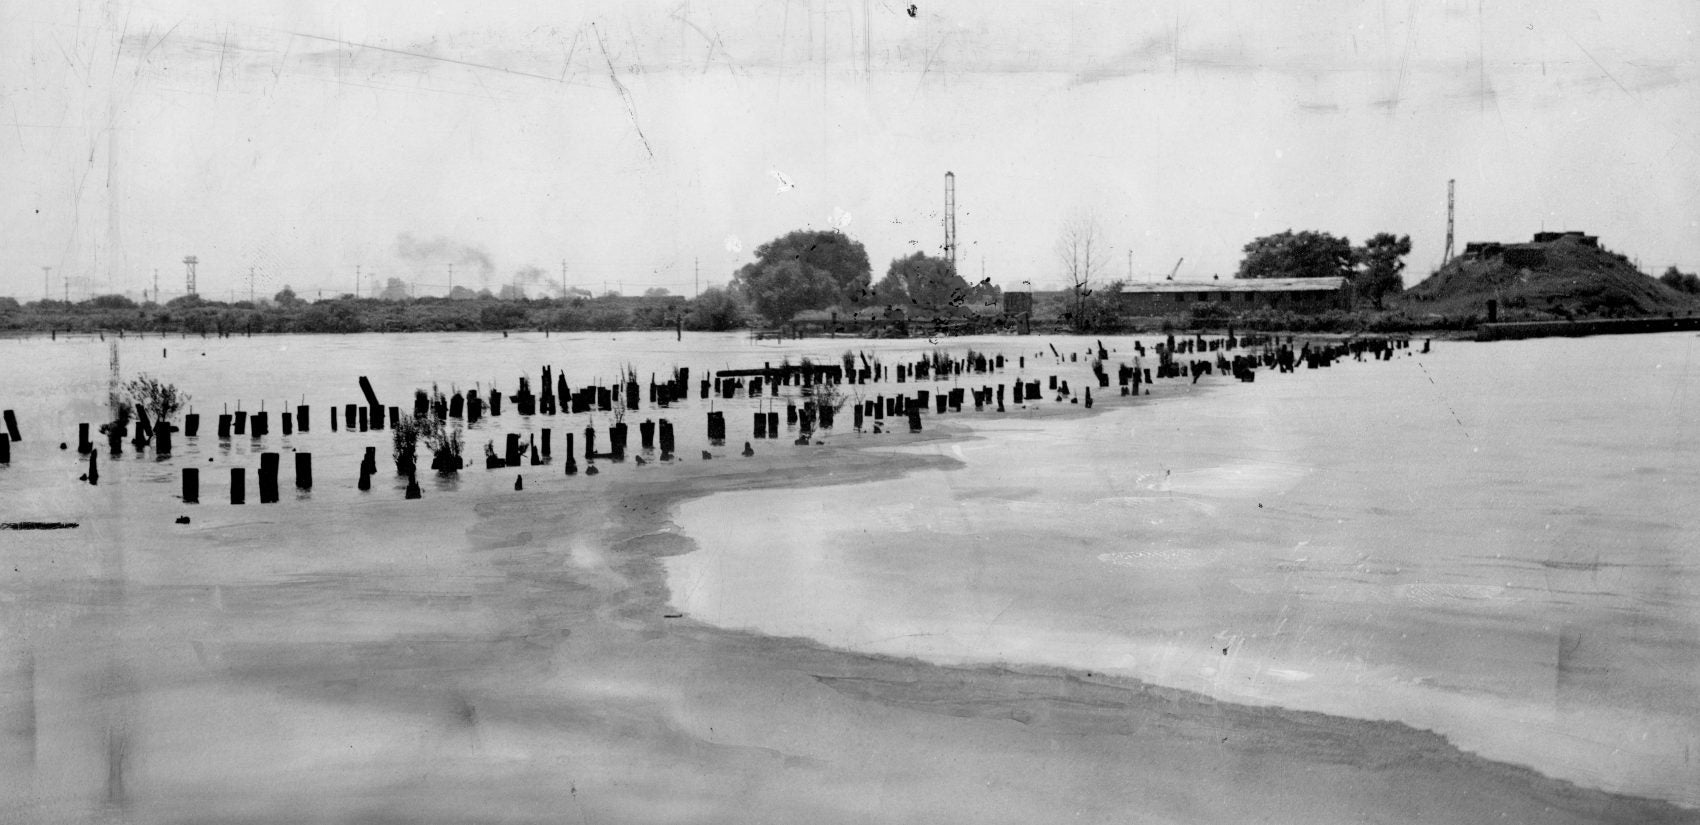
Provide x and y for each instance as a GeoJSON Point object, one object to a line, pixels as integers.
{"type": "Point", "coordinates": [563, 277]}
{"type": "Point", "coordinates": [156, 285]}
{"type": "Point", "coordinates": [1449, 189]}
{"type": "Point", "coordinates": [356, 280]}
{"type": "Point", "coordinates": [950, 219]}
{"type": "Point", "coordinates": [696, 268]}
{"type": "Point", "coordinates": [451, 278]}
{"type": "Point", "coordinates": [250, 285]}
{"type": "Point", "coordinates": [45, 293]}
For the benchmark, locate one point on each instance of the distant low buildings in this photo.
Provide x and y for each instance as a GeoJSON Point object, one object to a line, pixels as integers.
{"type": "Point", "coordinates": [1236, 294]}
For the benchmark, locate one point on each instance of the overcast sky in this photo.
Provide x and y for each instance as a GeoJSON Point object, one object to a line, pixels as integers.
{"type": "Point", "coordinates": [304, 138]}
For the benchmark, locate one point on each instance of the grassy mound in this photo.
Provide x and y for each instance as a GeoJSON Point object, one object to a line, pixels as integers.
{"type": "Point", "coordinates": [1566, 277]}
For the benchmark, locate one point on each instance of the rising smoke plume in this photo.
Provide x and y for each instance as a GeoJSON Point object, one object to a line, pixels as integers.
{"type": "Point", "coordinates": [534, 276]}
{"type": "Point", "coordinates": [439, 251]}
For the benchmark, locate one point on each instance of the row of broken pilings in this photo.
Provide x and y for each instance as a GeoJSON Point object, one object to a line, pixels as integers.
{"type": "Point", "coordinates": [267, 479]}
{"type": "Point", "coordinates": [807, 417]}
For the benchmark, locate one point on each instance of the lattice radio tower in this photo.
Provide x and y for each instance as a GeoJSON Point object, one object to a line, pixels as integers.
{"type": "Point", "coordinates": [189, 264]}
{"type": "Point", "coordinates": [950, 218]}
{"type": "Point", "coordinates": [1449, 190]}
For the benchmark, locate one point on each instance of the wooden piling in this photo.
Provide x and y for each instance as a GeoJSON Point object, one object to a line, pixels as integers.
{"type": "Point", "coordinates": [666, 439]}
{"type": "Point", "coordinates": [84, 446]}
{"type": "Point", "coordinates": [238, 485]}
{"type": "Point", "coordinates": [303, 471]}
{"type": "Point", "coordinates": [302, 419]}
{"type": "Point", "coordinates": [191, 485]}
{"type": "Point", "coordinates": [617, 441]}
{"type": "Point", "coordinates": [268, 478]}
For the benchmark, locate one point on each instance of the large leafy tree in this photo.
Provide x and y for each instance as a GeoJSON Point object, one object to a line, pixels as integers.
{"type": "Point", "coordinates": [1381, 259]}
{"type": "Point", "coordinates": [782, 289]}
{"type": "Point", "coordinates": [922, 282]}
{"type": "Point", "coordinates": [1298, 255]}
{"type": "Point", "coordinates": [715, 309]}
{"type": "Point", "coordinates": [805, 269]}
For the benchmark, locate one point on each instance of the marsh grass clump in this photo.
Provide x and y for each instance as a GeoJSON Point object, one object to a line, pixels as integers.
{"type": "Point", "coordinates": [161, 400]}
{"type": "Point", "coordinates": [404, 441]}
{"type": "Point", "coordinates": [446, 445]}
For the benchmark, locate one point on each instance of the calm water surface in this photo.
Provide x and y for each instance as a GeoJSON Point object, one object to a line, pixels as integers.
{"type": "Point", "coordinates": [1491, 541]}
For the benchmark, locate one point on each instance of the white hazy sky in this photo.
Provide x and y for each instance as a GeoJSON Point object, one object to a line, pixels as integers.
{"type": "Point", "coordinates": [303, 138]}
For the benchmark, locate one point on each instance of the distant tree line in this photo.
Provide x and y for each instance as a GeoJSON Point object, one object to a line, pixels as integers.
{"type": "Point", "coordinates": [714, 309]}
{"type": "Point", "coordinates": [1681, 281]}
{"type": "Point", "coordinates": [1372, 269]}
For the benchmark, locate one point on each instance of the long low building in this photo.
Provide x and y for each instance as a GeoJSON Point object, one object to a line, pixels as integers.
{"type": "Point", "coordinates": [1296, 294]}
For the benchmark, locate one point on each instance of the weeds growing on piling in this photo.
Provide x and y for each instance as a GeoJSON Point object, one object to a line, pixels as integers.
{"type": "Point", "coordinates": [404, 439]}
{"type": "Point", "coordinates": [445, 445]}
{"type": "Point", "coordinates": [161, 400]}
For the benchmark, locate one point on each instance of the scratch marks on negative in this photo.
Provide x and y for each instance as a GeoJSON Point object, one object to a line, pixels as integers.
{"type": "Point", "coordinates": [423, 56]}
{"type": "Point", "coordinates": [625, 96]}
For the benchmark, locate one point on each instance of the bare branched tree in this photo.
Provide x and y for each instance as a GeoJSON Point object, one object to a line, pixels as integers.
{"type": "Point", "coordinates": [1084, 254]}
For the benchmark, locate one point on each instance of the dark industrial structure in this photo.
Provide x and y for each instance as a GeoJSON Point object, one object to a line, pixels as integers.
{"type": "Point", "coordinates": [1525, 255]}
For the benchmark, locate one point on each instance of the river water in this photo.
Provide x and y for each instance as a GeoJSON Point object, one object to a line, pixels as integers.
{"type": "Point", "coordinates": [1495, 542]}
{"type": "Point", "coordinates": [1489, 541]}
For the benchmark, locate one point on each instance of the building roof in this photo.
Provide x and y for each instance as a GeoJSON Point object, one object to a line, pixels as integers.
{"type": "Point", "coordinates": [1239, 285]}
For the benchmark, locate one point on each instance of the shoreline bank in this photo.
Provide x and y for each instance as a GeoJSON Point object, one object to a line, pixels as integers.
{"type": "Point", "coordinates": [1316, 765]}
